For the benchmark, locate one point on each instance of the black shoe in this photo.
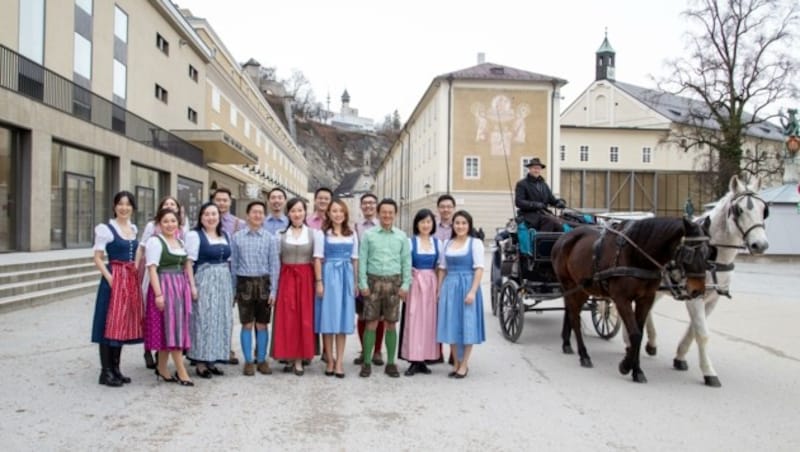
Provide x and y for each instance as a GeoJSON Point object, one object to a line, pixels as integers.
{"type": "Point", "coordinates": [215, 370]}
{"type": "Point", "coordinates": [366, 370]}
{"type": "Point", "coordinates": [391, 370]}
{"type": "Point", "coordinates": [359, 361]}
{"type": "Point", "coordinates": [423, 369]}
{"type": "Point", "coordinates": [412, 369]}
{"type": "Point", "coordinates": [329, 373]}
{"type": "Point", "coordinates": [377, 359]}
{"type": "Point", "coordinates": [202, 372]}
{"type": "Point", "coordinates": [166, 379]}
{"type": "Point", "coordinates": [339, 375]}
{"type": "Point", "coordinates": [182, 382]}
{"type": "Point", "coordinates": [108, 378]}
{"type": "Point", "coordinates": [149, 361]}
{"type": "Point", "coordinates": [289, 368]}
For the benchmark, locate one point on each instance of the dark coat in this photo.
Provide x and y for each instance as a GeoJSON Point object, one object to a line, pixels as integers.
{"type": "Point", "coordinates": [532, 195]}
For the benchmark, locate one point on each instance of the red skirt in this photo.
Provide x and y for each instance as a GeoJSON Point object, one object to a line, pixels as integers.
{"type": "Point", "coordinates": [293, 327]}
{"type": "Point", "coordinates": [124, 321]}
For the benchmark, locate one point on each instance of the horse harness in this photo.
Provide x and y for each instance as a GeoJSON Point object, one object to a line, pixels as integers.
{"type": "Point", "coordinates": [734, 211]}
{"type": "Point", "coordinates": [684, 254]}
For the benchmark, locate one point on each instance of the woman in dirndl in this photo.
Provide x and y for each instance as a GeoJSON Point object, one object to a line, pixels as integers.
{"type": "Point", "coordinates": [211, 322]}
{"type": "Point", "coordinates": [460, 316]}
{"type": "Point", "coordinates": [118, 311]}
{"type": "Point", "coordinates": [293, 329]}
{"type": "Point", "coordinates": [418, 329]}
{"type": "Point", "coordinates": [169, 299]}
{"type": "Point", "coordinates": [151, 229]}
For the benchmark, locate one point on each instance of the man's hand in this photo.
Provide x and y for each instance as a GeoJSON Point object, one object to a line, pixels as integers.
{"type": "Point", "coordinates": [402, 294]}
{"type": "Point", "coordinates": [537, 205]}
{"type": "Point", "coordinates": [365, 292]}
{"type": "Point", "coordinates": [560, 204]}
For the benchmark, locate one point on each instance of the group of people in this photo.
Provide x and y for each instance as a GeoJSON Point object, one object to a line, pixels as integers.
{"type": "Point", "coordinates": [310, 275]}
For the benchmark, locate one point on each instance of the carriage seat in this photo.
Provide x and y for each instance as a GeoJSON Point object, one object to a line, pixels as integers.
{"type": "Point", "coordinates": [536, 244]}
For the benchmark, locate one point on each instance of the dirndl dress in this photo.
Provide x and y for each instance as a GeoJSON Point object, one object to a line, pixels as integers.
{"type": "Point", "coordinates": [212, 318]}
{"type": "Point", "coordinates": [169, 329]}
{"type": "Point", "coordinates": [458, 322]}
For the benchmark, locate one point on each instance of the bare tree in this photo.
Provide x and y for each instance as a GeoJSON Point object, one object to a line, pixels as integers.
{"type": "Point", "coordinates": [739, 63]}
{"type": "Point", "coordinates": [298, 87]}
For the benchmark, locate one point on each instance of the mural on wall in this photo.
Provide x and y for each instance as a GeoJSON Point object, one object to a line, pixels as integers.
{"type": "Point", "coordinates": [500, 123]}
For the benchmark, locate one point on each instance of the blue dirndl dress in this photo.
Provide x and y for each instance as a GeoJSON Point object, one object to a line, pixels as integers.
{"type": "Point", "coordinates": [334, 313]}
{"type": "Point", "coordinates": [458, 322]}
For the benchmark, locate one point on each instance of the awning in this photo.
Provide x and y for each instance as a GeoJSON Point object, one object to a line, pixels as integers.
{"type": "Point", "coordinates": [218, 147]}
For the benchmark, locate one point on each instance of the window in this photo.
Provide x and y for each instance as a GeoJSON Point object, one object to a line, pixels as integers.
{"type": "Point", "coordinates": [31, 30]}
{"type": "Point", "coordinates": [85, 5]}
{"type": "Point", "coordinates": [191, 115]}
{"type": "Point", "coordinates": [215, 98]}
{"type": "Point", "coordinates": [472, 168]}
{"type": "Point", "coordinates": [82, 62]}
{"type": "Point", "coordinates": [247, 128]}
{"type": "Point", "coordinates": [234, 116]}
{"type": "Point", "coordinates": [161, 93]}
{"type": "Point", "coordinates": [562, 151]}
{"type": "Point", "coordinates": [584, 154]}
{"type": "Point", "coordinates": [646, 155]}
{"type": "Point", "coordinates": [613, 154]}
{"type": "Point", "coordinates": [162, 44]}
{"type": "Point", "coordinates": [525, 161]}
{"type": "Point", "coordinates": [120, 79]}
{"type": "Point", "coordinates": [193, 74]}
{"type": "Point", "coordinates": [120, 24]}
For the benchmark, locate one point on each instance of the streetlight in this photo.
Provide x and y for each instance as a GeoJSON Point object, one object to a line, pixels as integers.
{"type": "Point", "coordinates": [427, 188]}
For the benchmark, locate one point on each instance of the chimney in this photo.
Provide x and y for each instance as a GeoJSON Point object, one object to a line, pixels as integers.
{"type": "Point", "coordinates": [481, 57]}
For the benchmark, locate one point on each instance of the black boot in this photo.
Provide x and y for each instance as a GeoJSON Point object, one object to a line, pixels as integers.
{"type": "Point", "coordinates": [107, 376]}
{"type": "Point", "coordinates": [115, 353]}
{"type": "Point", "coordinates": [149, 362]}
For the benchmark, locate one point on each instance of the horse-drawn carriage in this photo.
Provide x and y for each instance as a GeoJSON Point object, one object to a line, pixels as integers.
{"type": "Point", "coordinates": [522, 277]}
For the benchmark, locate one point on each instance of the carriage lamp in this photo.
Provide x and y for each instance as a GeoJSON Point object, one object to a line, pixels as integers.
{"type": "Point", "coordinates": [793, 144]}
{"type": "Point", "coordinates": [427, 188]}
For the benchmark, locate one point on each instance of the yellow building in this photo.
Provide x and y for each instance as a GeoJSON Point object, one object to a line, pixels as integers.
{"type": "Point", "coordinates": [470, 135]}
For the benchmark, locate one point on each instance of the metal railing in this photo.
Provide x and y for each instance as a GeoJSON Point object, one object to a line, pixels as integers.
{"type": "Point", "coordinates": [34, 81]}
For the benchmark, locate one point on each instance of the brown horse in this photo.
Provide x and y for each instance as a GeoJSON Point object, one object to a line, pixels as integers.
{"type": "Point", "coordinates": [626, 263]}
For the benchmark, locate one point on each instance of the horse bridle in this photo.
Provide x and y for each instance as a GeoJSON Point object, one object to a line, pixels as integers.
{"type": "Point", "coordinates": [735, 211]}
{"type": "Point", "coordinates": [685, 253]}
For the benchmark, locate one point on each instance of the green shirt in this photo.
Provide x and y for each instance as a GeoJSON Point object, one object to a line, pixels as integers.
{"type": "Point", "coordinates": [384, 253]}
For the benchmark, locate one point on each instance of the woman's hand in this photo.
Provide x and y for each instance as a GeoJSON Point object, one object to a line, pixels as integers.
{"type": "Point", "coordinates": [470, 298]}
{"type": "Point", "coordinates": [271, 301]}
{"type": "Point", "coordinates": [194, 293]}
{"type": "Point", "coordinates": [160, 303]}
{"type": "Point", "coordinates": [320, 289]}
{"type": "Point", "coordinates": [109, 279]}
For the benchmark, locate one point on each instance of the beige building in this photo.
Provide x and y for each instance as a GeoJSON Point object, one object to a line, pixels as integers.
{"type": "Point", "coordinates": [469, 136]}
{"type": "Point", "coordinates": [254, 151]}
{"type": "Point", "coordinates": [617, 151]}
{"type": "Point", "coordinates": [82, 117]}
{"type": "Point", "coordinates": [84, 113]}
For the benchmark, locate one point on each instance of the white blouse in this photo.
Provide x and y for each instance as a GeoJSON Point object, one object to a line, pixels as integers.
{"type": "Point", "coordinates": [319, 243]}
{"type": "Point", "coordinates": [477, 253]}
{"type": "Point", "coordinates": [154, 248]}
{"type": "Point", "coordinates": [302, 239]}
{"type": "Point", "coordinates": [192, 243]}
{"type": "Point", "coordinates": [103, 235]}
{"type": "Point", "coordinates": [434, 241]}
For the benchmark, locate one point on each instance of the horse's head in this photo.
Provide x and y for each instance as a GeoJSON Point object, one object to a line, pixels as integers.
{"type": "Point", "coordinates": [689, 263]}
{"type": "Point", "coordinates": [746, 213]}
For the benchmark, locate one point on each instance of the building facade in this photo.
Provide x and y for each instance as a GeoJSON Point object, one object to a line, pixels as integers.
{"type": "Point", "coordinates": [80, 119]}
{"type": "Point", "coordinates": [618, 151]}
{"type": "Point", "coordinates": [470, 135]}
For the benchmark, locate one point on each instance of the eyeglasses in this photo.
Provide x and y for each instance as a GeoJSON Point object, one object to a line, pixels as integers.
{"type": "Point", "coordinates": [368, 203]}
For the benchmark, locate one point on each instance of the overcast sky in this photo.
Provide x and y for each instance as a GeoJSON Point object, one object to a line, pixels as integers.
{"type": "Point", "coordinates": [386, 53]}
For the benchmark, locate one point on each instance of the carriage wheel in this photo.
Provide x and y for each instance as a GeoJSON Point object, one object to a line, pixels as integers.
{"type": "Point", "coordinates": [511, 310]}
{"type": "Point", "coordinates": [605, 318]}
{"type": "Point", "coordinates": [495, 283]}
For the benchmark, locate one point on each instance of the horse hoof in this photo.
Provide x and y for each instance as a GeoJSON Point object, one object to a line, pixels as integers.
{"type": "Point", "coordinates": [624, 368]}
{"type": "Point", "coordinates": [567, 349]}
{"type": "Point", "coordinates": [638, 377]}
{"type": "Point", "coordinates": [651, 350]}
{"type": "Point", "coordinates": [586, 362]}
{"type": "Point", "coordinates": [679, 364]}
{"type": "Point", "coordinates": [712, 381]}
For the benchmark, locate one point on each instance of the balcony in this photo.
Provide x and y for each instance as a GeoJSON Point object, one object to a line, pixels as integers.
{"type": "Point", "coordinates": [35, 82]}
{"type": "Point", "coordinates": [218, 147]}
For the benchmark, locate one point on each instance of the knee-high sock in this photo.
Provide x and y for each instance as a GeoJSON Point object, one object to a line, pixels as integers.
{"type": "Point", "coordinates": [262, 338]}
{"type": "Point", "coordinates": [362, 325]}
{"type": "Point", "coordinates": [369, 343]}
{"type": "Point", "coordinates": [246, 338]}
{"type": "Point", "coordinates": [391, 345]}
{"type": "Point", "coordinates": [379, 331]}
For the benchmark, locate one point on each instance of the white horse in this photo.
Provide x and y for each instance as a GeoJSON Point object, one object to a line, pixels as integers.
{"type": "Point", "coordinates": [737, 223]}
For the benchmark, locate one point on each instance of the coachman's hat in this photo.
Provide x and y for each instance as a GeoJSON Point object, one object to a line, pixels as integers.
{"type": "Point", "coordinates": [535, 161]}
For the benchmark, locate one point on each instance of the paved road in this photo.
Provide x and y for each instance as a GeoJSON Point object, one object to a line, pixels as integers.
{"type": "Point", "coordinates": [517, 396]}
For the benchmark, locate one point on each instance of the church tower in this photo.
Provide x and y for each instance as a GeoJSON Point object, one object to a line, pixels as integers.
{"type": "Point", "coordinates": [604, 61]}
